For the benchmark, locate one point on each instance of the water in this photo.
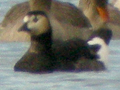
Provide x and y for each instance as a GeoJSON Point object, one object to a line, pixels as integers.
{"type": "Point", "coordinates": [10, 53]}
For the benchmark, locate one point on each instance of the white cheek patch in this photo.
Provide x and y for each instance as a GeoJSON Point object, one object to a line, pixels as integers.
{"type": "Point", "coordinates": [25, 19]}
{"type": "Point", "coordinates": [103, 52]}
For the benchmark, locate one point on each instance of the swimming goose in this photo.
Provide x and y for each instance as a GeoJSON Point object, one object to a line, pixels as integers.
{"type": "Point", "coordinates": [46, 55]}
{"type": "Point", "coordinates": [38, 58]}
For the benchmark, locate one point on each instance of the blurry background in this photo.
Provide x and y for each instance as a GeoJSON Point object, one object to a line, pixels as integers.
{"type": "Point", "coordinates": [5, 5]}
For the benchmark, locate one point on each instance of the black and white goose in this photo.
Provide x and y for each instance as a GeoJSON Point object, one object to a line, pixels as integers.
{"type": "Point", "coordinates": [46, 55]}
{"type": "Point", "coordinates": [38, 57]}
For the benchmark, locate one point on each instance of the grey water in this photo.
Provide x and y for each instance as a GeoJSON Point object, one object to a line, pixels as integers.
{"type": "Point", "coordinates": [10, 53]}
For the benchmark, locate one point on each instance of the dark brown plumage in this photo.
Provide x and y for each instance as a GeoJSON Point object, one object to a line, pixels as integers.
{"type": "Point", "coordinates": [39, 57]}
{"type": "Point", "coordinates": [47, 55]}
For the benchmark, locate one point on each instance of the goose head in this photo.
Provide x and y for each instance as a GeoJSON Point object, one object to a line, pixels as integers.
{"type": "Point", "coordinates": [35, 23]}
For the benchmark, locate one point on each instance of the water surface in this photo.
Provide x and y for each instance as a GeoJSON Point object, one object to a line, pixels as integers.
{"type": "Point", "coordinates": [10, 53]}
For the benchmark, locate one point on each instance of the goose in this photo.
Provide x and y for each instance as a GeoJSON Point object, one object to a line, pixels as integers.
{"type": "Point", "coordinates": [38, 57]}
{"type": "Point", "coordinates": [66, 20]}
{"type": "Point", "coordinates": [96, 11]}
{"type": "Point", "coordinates": [47, 55]}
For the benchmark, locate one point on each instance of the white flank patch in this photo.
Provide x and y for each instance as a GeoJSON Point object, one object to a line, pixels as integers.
{"type": "Point", "coordinates": [103, 52]}
{"type": "Point", "coordinates": [25, 19]}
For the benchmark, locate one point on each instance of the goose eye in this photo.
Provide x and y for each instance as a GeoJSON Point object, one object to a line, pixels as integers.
{"type": "Point", "coordinates": [35, 19]}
